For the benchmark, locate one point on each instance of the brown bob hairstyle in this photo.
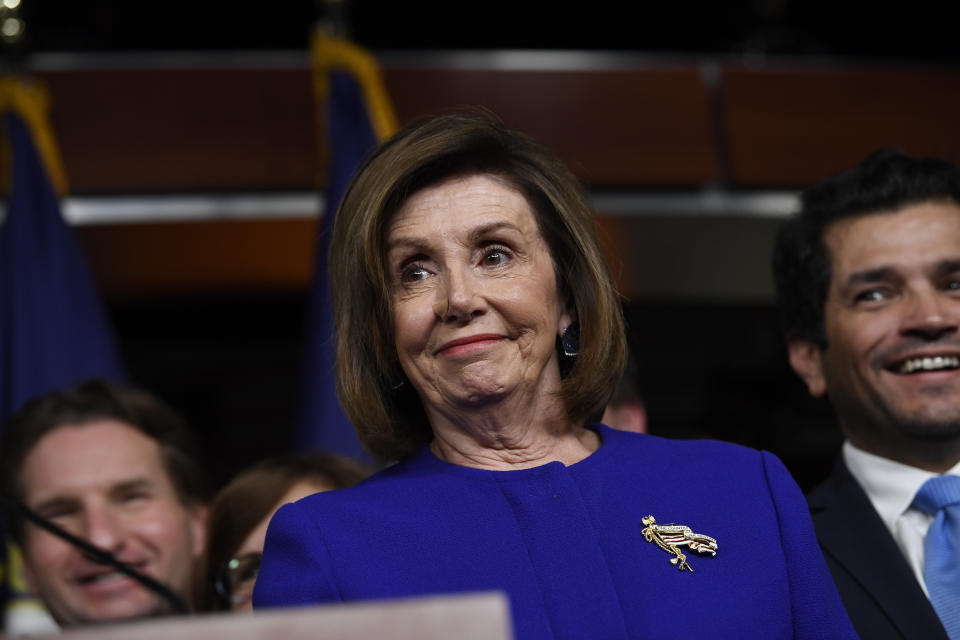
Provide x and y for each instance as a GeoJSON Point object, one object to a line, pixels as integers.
{"type": "Point", "coordinates": [388, 416]}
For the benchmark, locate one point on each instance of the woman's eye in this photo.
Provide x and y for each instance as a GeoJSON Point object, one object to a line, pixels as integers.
{"type": "Point", "coordinates": [953, 285]}
{"type": "Point", "coordinates": [495, 257]}
{"type": "Point", "coordinates": [414, 273]}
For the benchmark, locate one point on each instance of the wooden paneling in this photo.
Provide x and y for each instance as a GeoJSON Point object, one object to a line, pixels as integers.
{"type": "Point", "coordinates": [793, 126]}
{"type": "Point", "coordinates": [625, 128]}
{"type": "Point", "coordinates": [717, 258]}
{"type": "Point", "coordinates": [159, 130]}
{"type": "Point", "coordinates": [143, 259]}
{"type": "Point", "coordinates": [162, 130]}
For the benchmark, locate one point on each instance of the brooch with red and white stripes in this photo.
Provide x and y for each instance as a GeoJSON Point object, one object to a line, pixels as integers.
{"type": "Point", "coordinates": [670, 537]}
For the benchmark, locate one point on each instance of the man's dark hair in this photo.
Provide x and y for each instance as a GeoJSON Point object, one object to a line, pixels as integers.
{"type": "Point", "coordinates": [886, 181]}
{"type": "Point", "coordinates": [90, 401]}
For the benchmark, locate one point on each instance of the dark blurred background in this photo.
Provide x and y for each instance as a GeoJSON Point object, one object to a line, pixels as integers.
{"type": "Point", "coordinates": [895, 30]}
{"type": "Point", "coordinates": [225, 348]}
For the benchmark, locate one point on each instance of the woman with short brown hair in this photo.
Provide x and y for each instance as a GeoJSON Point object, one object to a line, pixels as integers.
{"type": "Point", "coordinates": [389, 419]}
{"type": "Point", "coordinates": [479, 336]}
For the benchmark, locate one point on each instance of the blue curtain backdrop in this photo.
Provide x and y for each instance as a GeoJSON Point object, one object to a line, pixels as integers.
{"type": "Point", "coordinates": [53, 328]}
{"type": "Point", "coordinates": [351, 136]}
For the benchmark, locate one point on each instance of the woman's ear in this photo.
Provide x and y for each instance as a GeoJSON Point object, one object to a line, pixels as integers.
{"type": "Point", "coordinates": [569, 335]}
{"type": "Point", "coordinates": [565, 322]}
{"type": "Point", "coordinates": [567, 316]}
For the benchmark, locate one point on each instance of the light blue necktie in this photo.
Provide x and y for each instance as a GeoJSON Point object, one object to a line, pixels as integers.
{"type": "Point", "coordinates": [940, 497]}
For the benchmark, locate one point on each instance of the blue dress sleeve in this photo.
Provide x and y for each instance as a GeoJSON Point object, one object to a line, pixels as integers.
{"type": "Point", "coordinates": [295, 569]}
{"type": "Point", "coordinates": [817, 609]}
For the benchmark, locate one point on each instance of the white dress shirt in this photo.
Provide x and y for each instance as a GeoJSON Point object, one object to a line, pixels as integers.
{"type": "Point", "coordinates": [891, 487]}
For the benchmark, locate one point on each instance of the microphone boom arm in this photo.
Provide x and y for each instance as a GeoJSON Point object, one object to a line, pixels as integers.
{"type": "Point", "coordinates": [101, 556]}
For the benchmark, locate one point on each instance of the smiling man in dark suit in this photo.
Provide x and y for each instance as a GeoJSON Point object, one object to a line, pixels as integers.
{"type": "Point", "coordinates": [868, 287]}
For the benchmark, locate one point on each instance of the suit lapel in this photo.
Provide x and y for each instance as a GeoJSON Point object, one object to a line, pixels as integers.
{"type": "Point", "coordinates": [852, 533]}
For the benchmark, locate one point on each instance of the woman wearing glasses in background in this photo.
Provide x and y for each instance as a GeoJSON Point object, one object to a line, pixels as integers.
{"type": "Point", "coordinates": [241, 511]}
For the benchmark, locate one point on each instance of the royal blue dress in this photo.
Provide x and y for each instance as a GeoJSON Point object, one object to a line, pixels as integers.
{"type": "Point", "coordinates": [565, 543]}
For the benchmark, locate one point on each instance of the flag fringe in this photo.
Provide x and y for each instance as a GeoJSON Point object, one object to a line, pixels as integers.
{"type": "Point", "coordinates": [331, 52]}
{"type": "Point", "coordinates": [31, 102]}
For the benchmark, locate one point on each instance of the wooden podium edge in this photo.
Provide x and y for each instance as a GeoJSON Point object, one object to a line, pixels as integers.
{"type": "Point", "coordinates": [475, 616]}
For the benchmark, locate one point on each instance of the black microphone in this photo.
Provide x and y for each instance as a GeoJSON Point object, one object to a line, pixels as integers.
{"type": "Point", "coordinates": [99, 556]}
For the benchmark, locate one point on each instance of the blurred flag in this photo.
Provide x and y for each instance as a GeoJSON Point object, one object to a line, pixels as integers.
{"type": "Point", "coordinates": [359, 115]}
{"type": "Point", "coordinates": [53, 329]}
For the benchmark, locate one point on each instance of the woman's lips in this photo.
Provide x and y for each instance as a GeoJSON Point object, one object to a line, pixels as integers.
{"type": "Point", "coordinates": [469, 344]}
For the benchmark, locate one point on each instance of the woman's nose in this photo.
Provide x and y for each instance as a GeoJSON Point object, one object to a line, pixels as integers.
{"type": "Point", "coordinates": [458, 298]}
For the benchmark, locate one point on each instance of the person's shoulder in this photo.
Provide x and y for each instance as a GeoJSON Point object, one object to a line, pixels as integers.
{"type": "Point", "coordinates": [398, 482]}
{"type": "Point", "coordinates": [689, 451]}
{"type": "Point", "coordinates": [691, 461]}
{"type": "Point", "coordinates": [838, 486]}
{"type": "Point", "coordinates": [406, 496]}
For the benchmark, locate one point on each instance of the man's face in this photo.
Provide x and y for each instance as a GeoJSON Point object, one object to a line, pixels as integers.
{"type": "Point", "coordinates": [104, 481]}
{"type": "Point", "coordinates": [892, 363]}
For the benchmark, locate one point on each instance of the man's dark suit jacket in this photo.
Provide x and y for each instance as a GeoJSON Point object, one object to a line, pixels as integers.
{"type": "Point", "coordinates": [876, 584]}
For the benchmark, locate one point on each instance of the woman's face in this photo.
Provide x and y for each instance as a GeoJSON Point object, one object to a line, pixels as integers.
{"type": "Point", "coordinates": [252, 546]}
{"type": "Point", "coordinates": [475, 306]}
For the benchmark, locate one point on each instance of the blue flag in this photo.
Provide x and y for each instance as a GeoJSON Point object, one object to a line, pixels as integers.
{"type": "Point", "coordinates": [53, 329]}
{"type": "Point", "coordinates": [358, 116]}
